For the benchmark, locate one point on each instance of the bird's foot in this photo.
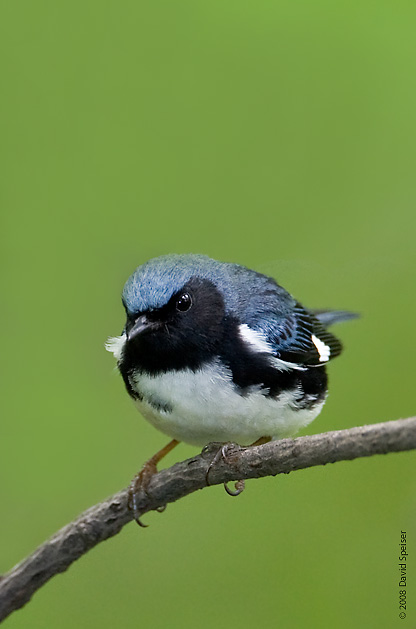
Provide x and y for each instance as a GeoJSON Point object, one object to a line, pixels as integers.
{"type": "Point", "coordinates": [140, 483]}
{"type": "Point", "coordinates": [224, 453]}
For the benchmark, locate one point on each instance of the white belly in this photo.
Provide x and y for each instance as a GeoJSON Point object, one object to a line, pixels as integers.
{"type": "Point", "coordinates": [204, 406]}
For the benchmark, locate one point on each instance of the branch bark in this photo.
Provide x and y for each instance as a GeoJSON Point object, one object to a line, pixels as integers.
{"type": "Point", "coordinates": [277, 457]}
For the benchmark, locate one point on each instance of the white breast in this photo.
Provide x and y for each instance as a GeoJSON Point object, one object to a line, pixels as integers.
{"type": "Point", "coordinates": [204, 406]}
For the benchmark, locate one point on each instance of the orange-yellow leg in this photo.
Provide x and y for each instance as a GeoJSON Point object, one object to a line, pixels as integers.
{"type": "Point", "coordinates": [222, 453]}
{"type": "Point", "coordinates": [142, 479]}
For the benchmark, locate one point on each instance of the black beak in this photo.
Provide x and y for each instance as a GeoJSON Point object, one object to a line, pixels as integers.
{"type": "Point", "coordinates": [140, 325]}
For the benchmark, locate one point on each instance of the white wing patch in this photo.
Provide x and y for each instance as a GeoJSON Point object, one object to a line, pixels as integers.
{"type": "Point", "coordinates": [115, 345]}
{"type": "Point", "coordinates": [324, 350]}
{"type": "Point", "coordinates": [258, 342]}
{"type": "Point", "coordinates": [255, 339]}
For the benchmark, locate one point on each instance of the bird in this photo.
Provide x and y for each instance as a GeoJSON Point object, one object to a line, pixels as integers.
{"type": "Point", "coordinates": [214, 351]}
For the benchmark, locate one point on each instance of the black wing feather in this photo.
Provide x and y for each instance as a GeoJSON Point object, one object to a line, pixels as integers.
{"type": "Point", "coordinates": [301, 338]}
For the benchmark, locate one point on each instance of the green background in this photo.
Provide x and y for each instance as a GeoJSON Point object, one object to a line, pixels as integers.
{"type": "Point", "coordinates": [280, 135]}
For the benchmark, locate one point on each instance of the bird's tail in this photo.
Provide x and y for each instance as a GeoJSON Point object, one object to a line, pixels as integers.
{"type": "Point", "coordinates": [329, 317]}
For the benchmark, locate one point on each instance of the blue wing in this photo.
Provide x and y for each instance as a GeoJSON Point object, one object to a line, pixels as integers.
{"type": "Point", "coordinates": [295, 334]}
{"type": "Point", "coordinates": [292, 333]}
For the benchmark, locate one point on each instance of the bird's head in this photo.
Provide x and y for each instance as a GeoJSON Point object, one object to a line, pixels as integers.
{"type": "Point", "coordinates": [175, 309]}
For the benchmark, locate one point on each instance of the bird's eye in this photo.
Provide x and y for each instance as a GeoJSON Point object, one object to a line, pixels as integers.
{"type": "Point", "coordinates": [184, 302]}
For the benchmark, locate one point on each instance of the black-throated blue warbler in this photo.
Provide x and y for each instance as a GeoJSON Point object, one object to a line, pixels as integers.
{"type": "Point", "coordinates": [213, 351]}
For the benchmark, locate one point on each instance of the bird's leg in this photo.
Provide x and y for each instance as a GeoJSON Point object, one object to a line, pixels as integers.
{"type": "Point", "coordinates": [142, 479]}
{"type": "Point", "coordinates": [222, 453]}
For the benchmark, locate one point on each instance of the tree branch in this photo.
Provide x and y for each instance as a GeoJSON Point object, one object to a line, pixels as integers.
{"type": "Point", "coordinates": [277, 457]}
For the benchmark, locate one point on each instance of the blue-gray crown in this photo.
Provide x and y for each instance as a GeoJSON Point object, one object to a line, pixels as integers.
{"type": "Point", "coordinates": [153, 284]}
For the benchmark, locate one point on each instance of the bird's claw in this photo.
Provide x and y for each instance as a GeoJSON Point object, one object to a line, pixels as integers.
{"type": "Point", "coordinates": [140, 483]}
{"type": "Point", "coordinates": [239, 487]}
{"type": "Point", "coordinates": [223, 453]}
